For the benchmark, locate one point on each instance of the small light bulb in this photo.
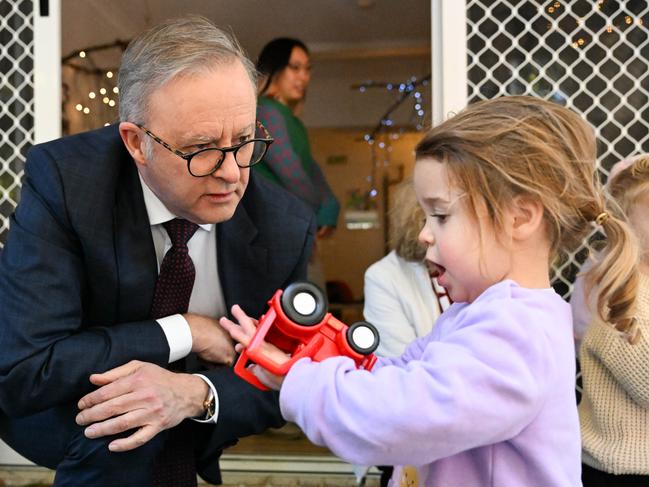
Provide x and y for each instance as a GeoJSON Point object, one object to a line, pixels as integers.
{"type": "Point", "coordinates": [106, 99]}
{"type": "Point", "coordinates": [92, 95]}
{"type": "Point", "coordinates": [111, 103]}
{"type": "Point", "coordinates": [82, 53]}
{"type": "Point", "coordinates": [115, 90]}
{"type": "Point", "coordinates": [102, 91]}
{"type": "Point", "coordinates": [109, 74]}
{"type": "Point", "coordinates": [79, 107]}
{"type": "Point", "coordinates": [86, 110]}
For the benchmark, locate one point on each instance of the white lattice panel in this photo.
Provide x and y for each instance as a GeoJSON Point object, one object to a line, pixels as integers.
{"type": "Point", "coordinates": [16, 101]}
{"type": "Point", "coordinates": [591, 56]}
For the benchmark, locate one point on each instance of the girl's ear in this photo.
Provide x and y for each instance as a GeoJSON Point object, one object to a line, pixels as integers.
{"type": "Point", "coordinates": [527, 214]}
{"type": "Point", "coordinates": [132, 137]}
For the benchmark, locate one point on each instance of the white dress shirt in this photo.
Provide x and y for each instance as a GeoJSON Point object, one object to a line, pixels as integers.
{"type": "Point", "coordinates": [207, 296]}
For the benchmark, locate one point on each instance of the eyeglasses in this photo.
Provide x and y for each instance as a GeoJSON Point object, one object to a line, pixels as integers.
{"type": "Point", "coordinates": [204, 162]}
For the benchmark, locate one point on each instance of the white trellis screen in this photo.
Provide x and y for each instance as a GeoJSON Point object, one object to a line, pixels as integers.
{"type": "Point", "coordinates": [16, 100]}
{"type": "Point", "coordinates": [30, 90]}
{"type": "Point", "coordinates": [589, 55]}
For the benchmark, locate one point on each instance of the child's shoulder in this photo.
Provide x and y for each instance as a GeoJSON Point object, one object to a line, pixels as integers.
{"type": "Point", "coordinates": [507, 302]}
{"type": "Point", "coordinates": [509, 291]}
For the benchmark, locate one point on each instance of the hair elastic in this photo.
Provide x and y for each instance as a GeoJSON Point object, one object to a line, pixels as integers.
{"type": "Point", "coordinates": [601, 218]}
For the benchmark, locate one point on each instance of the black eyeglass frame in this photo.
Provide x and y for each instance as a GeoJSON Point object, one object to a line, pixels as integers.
{"type": "Point", "coordinates": [223, 150]}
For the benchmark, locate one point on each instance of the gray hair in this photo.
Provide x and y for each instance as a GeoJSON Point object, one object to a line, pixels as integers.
{"type": "Point", "coordinates": [187, 45]}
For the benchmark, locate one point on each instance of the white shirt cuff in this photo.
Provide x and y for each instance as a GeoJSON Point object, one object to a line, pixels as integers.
{"type": "Point", "coordinates": [178, 334]}
{"type": "Point", "coordinates": [215, 417]}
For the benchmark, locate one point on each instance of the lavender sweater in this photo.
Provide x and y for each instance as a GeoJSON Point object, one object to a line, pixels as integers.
{"type": "Point", "coordinates": [486, 399]}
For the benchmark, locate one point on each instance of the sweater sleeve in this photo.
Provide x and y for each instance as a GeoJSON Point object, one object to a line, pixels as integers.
{"type": "Point", "coordinates": [626, 362]}
{"type": "Point", "coordinates": [483, 384]}
{"type": "Point", "coordinates": [282, 159]}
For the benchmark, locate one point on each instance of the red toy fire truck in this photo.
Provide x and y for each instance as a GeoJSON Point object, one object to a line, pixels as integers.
{"type": "Point", "coordinates": [297, 322]}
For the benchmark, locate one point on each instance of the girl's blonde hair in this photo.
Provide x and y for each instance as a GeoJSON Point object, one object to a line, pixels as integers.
{"type": "Point", "coordinates": [406, 221]}
{"type": "Point", "coordinates": [630, 183]}
{"type": "Point", "coordinates": [502, 148]}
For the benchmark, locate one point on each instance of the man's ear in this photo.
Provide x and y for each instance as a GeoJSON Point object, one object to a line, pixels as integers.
{"type": "Point", "coordinates": [527, 213]}
{"type": "Point", "coordinates": [132, 137]}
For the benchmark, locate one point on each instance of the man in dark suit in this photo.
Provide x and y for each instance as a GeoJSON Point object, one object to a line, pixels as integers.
{"type": "Point", "coordinates": [86, 385]}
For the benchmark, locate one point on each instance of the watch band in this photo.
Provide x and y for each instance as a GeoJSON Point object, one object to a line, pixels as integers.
{"type": "Point", "coordinates": [209, 405]}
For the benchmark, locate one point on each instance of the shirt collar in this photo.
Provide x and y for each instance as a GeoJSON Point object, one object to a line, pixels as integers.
{"type": "Point", "coordinates": [157, 211]}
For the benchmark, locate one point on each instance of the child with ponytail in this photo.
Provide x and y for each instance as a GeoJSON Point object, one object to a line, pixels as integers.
{"type": "Point", "coordinates": [614, 355]}
{"type": "Point", "coordinates": [487, 398]}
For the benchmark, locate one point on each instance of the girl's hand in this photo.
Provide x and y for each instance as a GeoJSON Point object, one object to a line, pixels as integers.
{"type": "Point", "coordinates": [242, 334]}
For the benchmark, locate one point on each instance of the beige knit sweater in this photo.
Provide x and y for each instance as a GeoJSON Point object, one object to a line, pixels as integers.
{"type": "Point", "coordinates": [614, 410]}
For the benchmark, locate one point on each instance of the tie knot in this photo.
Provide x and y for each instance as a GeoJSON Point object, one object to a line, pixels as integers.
{"type": "Point", "coordinates": [180, 231]}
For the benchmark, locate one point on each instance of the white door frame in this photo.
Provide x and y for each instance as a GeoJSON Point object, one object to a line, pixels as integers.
{"type": "Point", "coordinates": [448, 58]}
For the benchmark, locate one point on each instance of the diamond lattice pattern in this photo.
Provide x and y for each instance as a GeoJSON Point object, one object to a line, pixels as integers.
{"type": "Point", "coordinates": [589, 55]}
{"type": "Point", "coordinates": [16, 101]}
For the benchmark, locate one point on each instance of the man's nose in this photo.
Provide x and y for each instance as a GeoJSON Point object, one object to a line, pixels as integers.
{"type": "Point", "coordinates": [229, 170]}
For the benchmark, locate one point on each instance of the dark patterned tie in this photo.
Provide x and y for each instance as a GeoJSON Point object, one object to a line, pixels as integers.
{"type": "Point", "coordinates": [175, 465]}
{"type": "Point", "coordinates": [176, 279]}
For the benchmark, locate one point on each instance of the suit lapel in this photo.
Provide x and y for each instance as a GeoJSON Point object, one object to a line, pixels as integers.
{"type": "Point", "coordinates": [134, 250]}
{"type": "Point", "coordinates": [242, 262]}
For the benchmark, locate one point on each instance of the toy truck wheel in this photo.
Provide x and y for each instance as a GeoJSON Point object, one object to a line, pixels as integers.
{"type": "Point", "coordinates": [363, 337]}
{"type": "Point", "coordinates": [304, 303]}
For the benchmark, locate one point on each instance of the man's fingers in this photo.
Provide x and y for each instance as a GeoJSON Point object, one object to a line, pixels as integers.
{"type": "Point", "coordinates": [105, 393]}
{"type": "Point", "coordinates": [118, 424]}
{"type": "Point", "coordinates": [137, 439]}
{"type": "Point", "coordinates": [114, 374]}
{"type": "Point", "coordinates": [107, 409]}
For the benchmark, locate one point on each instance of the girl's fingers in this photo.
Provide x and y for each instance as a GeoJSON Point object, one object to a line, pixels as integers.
{"type": "Point", "coordinates": [237, 332]}
{"type": "Point", "coordinates": [245, 321]}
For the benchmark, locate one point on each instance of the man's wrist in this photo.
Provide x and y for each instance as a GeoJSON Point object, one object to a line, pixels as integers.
{"type": "Point", "coordinates": [210, 404]}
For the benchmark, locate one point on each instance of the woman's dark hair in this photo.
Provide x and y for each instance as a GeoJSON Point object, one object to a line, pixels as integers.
{"type": "Point", "coordinates": [275, 56]}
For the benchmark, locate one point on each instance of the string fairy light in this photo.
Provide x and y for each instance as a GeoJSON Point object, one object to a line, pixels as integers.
{"type": "Point", "coordinates": [82, 62]}
{"type": "Point", "coordinates": [386, 131]}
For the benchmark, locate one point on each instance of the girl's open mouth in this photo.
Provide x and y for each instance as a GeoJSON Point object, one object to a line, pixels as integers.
{"type": "Point", "coordinates": [435, 270]}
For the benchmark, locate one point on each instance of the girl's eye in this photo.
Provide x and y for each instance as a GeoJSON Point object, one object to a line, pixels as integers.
{"type": "Point", "coordinates": [441, 218]}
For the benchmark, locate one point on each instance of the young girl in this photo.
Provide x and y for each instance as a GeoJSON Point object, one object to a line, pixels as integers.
{"type": "Point", "coordinates": [487, 398]}
{"type": "Point", "coordinates": [614, 410]}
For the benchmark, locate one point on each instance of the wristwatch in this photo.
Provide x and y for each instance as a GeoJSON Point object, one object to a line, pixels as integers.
{"type": "Point", "coordinates": [209, 404]}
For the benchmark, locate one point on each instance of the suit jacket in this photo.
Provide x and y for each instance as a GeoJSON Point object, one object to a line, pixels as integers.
{"type": "Point", "coordinates": [78, 272]}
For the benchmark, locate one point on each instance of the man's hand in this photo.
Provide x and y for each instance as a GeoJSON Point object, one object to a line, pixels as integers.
{"type": "Point", "coordinates": [142, 396]}
{"type": "Point", "coordinates": [209, 341]}
{"type": "Point", "coordinates": [243, 333]}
